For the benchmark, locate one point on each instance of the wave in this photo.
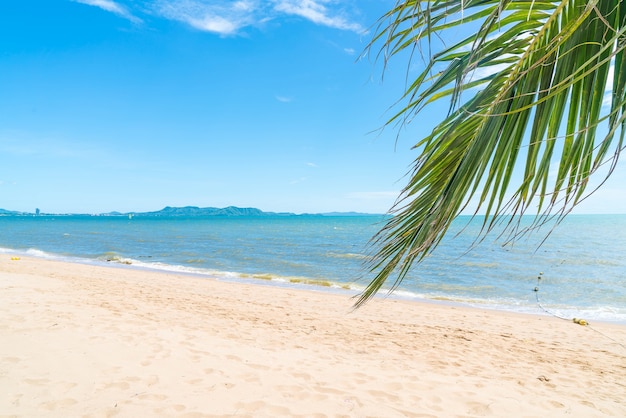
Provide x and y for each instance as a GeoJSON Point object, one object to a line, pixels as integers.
{"type": "Point", "coordinates": [527, 306]}
{"type": "Point", "coordinates": [115, 258]}
{"type": "Point", "coordinates": [605, 313]}
{"type": "Point", "coordinates": [347, 255]}
{"type": "Point", "coordinates": [30, 252]}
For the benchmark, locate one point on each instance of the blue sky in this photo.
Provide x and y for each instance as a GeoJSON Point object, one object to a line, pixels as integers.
{"type": "Point", "coordinates": [133, 105]}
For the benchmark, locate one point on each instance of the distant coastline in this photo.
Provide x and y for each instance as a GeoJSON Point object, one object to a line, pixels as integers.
{"type": "Point", "coordinates": [229, 211]}
{"type": "Point", "coordinates": [168, 211]}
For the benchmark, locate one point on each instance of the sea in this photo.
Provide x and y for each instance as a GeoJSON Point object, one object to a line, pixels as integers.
{"type": "Point", "coordinates": [574, 270]}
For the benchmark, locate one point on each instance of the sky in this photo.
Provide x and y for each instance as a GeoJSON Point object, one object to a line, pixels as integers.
{"type": "Point", "coordinates": [134, 105]}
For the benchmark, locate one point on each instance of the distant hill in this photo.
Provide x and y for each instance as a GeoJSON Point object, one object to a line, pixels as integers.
{"type": "Point", "coordinates": [4, 212]}
{"type": "Point", "coordinates": [233, 211]}
{"type": "Point", "coordinates": [189, 211]}
{"type": "Point", "coordinates": [196, 211]}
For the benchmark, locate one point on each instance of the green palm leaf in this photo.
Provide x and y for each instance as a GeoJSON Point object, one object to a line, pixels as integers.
{"type": "Point", "coordinates": [527, 90]}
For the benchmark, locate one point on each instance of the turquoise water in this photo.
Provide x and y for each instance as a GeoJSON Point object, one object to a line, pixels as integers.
{"type": "Point", "coordinates": [583, 266]}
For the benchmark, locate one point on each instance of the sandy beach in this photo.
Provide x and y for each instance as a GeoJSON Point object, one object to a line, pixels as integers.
{"type": "Point", "coordinates": [84, 340]}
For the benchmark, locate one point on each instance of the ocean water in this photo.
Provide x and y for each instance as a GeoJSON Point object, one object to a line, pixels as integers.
{"type": "Point", "coordinates": [582, 263]}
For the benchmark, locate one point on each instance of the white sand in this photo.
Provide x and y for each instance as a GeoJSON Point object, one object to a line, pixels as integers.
{"type": "Point", "coordinates": [80, 340]}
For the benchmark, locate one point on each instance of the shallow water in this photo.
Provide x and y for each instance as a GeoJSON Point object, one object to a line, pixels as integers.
{"type": "Point", "coordinates": [584, 270]}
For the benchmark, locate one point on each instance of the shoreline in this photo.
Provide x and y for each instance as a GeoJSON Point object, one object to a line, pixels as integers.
{"type": "Point", "coordinates": [313, 284]}
{"type": "Point", "coordinates": [94, 340]}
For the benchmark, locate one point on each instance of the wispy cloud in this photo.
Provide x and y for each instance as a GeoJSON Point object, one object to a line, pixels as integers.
{"type": "Point", "coordinates": [221, 17]}
{"type": "Point", "coordinates": [316, 12]}
{"type": "Point", "coordinates": [284, 99]}
{"type": "Point", "coordinates": [226, 17]}
{"type": "Point", "coordinates": [113, 7]}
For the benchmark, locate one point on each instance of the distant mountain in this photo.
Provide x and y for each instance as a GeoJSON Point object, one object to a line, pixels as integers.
{"type": "Point", "coordinates": [189, 211]}
{"type": "Point", "coordinates": [4, 212]}
{"type": "Point", "coordinates": [196, 211]}
{"type": "Point", "coordinates": [235, 211]}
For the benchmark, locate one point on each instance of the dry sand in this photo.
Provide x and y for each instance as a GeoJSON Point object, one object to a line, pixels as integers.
{"type": "Point", "coordinates": [83, 340]}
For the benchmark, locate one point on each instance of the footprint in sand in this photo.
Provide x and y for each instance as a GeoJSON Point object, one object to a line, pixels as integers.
{"type": "Point", "coordinates": [479, 409]}
{"type": "Point", "coordinates": [304, 376]}
{"type": "Point", "coordinates": [37, 382]}
{"type": "Point", "coordinates": [61, 403]}
{"type": "Point", "coordinates": [152, 397]}
{"type": "Point", "coordinates": [117, 385]}
{"type": "Point", "coordinates": [150, 381]}
{"type": "Point", "coordinates": [259, 366]}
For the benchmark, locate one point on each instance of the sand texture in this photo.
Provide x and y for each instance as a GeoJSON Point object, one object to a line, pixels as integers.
{"type": "Point", "coordinates": [82, 340]}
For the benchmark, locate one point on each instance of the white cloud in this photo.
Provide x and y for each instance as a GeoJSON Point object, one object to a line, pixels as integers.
{"type": "Point", "coordinates": [316, 12]}
{"type": "Point", "coordinates": [225, 17]}
{"type": "Point", "coordinates": [243, 5]}
{"type": "Point", "coordinates": [312, 165]}
{"type": "Point", "coordinates": [221, 17]}
{"type": "Point", "coordinates": [217, 24]}
{"type": "Point", "coordinates": [284, 99]}
{"type": "Point", "coordinates": [111, 6]}
{"type": "Point", "coordinates": [228, 18]}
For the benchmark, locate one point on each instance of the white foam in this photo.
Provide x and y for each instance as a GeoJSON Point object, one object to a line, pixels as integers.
{"type": "Point", "coordinates": [602, 313]}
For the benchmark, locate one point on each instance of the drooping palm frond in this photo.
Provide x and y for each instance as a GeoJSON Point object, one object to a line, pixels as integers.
{"type": "Point", "coordinates": [530, 90]}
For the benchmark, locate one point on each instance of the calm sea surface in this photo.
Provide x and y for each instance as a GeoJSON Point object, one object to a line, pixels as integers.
{"type": "Point", "coordinates": [583, 261]}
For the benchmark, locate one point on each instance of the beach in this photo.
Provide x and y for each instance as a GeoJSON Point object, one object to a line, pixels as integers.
{"type": "Point", "coordinates": [99, 341]}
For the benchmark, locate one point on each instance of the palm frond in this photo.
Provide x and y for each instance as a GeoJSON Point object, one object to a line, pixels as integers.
{"type": "Point", "coordinates": [542, 112]}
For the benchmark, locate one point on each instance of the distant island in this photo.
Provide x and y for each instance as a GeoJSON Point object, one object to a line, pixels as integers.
{"type": "Point", "coordinates": [187, 211]}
